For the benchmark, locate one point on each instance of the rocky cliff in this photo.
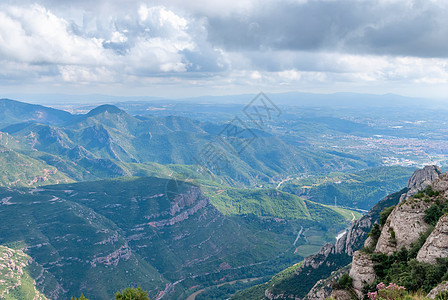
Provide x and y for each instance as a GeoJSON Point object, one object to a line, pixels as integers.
{"type": "Point", "coordinates": [421, 179]}
{"type": "Point", "coordinates": [405, 232]}
{"type": "Point", "coordinates": [436, 245]}
{"type": "Point", "coordinates": [403, 227]}
{"type": "Point", "coordinates": [332, 257]}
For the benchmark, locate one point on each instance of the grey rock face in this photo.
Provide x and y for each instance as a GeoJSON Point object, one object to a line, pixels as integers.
{"type": "Point", "coordinates": [436, 245]}
{"type": "Point", "coordinates": [341, 295]}
{"type": "Point", "coordinates": [271, 296]}
{"type": "Point", "coordinates": [441, 185]}
{"type": "Point", "coordinates": [362, 272]}
{"type": "Point", "coordinates": [424, 177]}
{"type": "Point", "coordinates": [440, 288]}
{"type": "Point", "coordinates": [421, 179]}
{"type": "Point", "coordinates": [332, 257]}
{"type": "Point", "coordinates": [403, 227]}
{"type": "Point", "coordinates": [323, 288]}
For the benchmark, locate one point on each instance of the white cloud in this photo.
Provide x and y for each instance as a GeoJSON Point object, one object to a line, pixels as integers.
{"type": "Point", "coordinates": [256, 44]}
{"type": "Point", "coordinates": [35, 35]}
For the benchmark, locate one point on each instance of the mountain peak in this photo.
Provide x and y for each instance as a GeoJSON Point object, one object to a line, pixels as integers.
{"type": "Point", "coordinates": [112, 109]}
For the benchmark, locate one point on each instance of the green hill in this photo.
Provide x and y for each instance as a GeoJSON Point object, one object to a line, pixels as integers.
{"type": "Point", "coordinates": [109, 133]}
{"type": "Point", "coordinates": [99, 237]}
{"type": "Point", "coordinates": [360, 189]}
{"type": "Point", "coordinates": [14, 112]}
{"type": "Point", "coordinates": [271, 203]}
{"type": "Point", "coordinates": [20, 170]}
{"type": "Point", "coordinates": [17, 271]}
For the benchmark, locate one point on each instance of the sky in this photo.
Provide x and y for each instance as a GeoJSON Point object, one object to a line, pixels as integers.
{"type": "Point", "coordinates": [178, 48]}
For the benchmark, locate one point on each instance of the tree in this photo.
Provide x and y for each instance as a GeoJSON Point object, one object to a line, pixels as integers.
{"type": "Point", "coordinates": [80, 298]}
{"type": "Point", "coordinates": [132, 294]}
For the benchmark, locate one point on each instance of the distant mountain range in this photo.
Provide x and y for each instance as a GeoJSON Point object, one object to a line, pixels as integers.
{"type": "Point", "coordinates": [103, 200]}
{"type": "Point", "coordinates": [101, 144]}
{"type": "Point", "coordinates": [288, 98]}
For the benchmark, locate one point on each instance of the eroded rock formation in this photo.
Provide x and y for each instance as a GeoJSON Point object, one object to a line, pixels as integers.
{"type": "Point", "coordinates": [436, 245]}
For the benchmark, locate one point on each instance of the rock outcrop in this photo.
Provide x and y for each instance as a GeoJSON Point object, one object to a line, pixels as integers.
{"type": "Point", "coordinates": [436, 245]}
{"type": "Point", "coordinates": [323, 288]}
{"type": "Point", "coordinates": [268, 294]}
{"type": "Point", "coordinates": [421, 179]}
{"type": "Point", "coordinates": [441, 185]}
{"type": "Point", "coordinates": [362, 272]}
{"type": "Point", "coordinates": [406, 222]}
{"type": "Point", "coordinates": [439, 288]}
{"type": "Point", "coordinates": [403, 227]}
{"type": "Point", "coordinates": [13, 270]}
{"type": "Point", "coordinates": [340, 295]}
{"type": "Point", "coordinates": [333, 257]}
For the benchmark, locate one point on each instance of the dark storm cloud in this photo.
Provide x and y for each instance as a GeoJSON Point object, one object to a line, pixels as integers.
{"type": "Point", "coordinates": [410, 28]}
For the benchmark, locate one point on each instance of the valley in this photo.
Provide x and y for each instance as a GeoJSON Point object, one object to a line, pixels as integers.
{"type": "Point", "coordinates": [104, 197]}
{"type": "Point", "coordinates": [223, 150]}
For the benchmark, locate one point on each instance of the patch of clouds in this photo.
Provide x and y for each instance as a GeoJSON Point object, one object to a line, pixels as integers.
{"type": "Point", "coordinates": [267, 44]}
{"type": "Point", "coordinates": [406, 28]}
{"type": "Point", "coordinates": [150, 41]}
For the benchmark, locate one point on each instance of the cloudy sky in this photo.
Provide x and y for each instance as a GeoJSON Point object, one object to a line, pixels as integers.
{"type": "Point", "coordinates": [178, 48]}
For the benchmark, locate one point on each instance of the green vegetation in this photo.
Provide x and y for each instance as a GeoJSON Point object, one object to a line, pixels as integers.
{"type": "Point", "coordinates": [97, 237]}
{"type": "Point", "coordinates": [16, 275]}
{"type": "Point", "coordinates": [225, 291]}
{"type": "Point", "coordinates": [132, 293]}
{"type": "Point", "coordinates": [80, 298]}
{"type": "Point", "coordinates": [401, 267]}
{"type": "Point", "coordinates": [385, 214]}
{"type": "Point", "coordinates": [442, 295]}
{"type": "Point", "coordinates": [96, 220]}
{"type": "Point", "coordinates": [344, 283]}
{"type": "Point", "coordinates": [17, 169]}
{"type": "Point", "coordinates": [105, 141]}
{"type": "Point", "coordinates": [273, 203]}
{"type": "Point", "coordinates": [359, 189]}
{"type": "Point", "coordinates": [257, 292]}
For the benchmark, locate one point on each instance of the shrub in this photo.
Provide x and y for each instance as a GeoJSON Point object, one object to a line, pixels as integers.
{"type": "Point", "coordinates": [390, 292]}
{"type": "Point", "coordinates": [419, 195]}
{"type": "Point", "coordinates": [385, 214]}
{"type": "Point", "coordinates": [132, 293]}
{"type": "Point", "coordinates": [375, 232]}
{"type": "Point", "coordinates": [442, 295]}
{"type": "Point", "coordinates": [344, 283]}
{"type": "Point", "coordinates": [433, 214]}
{"type": "Point", "coordinates": [392, 238]}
